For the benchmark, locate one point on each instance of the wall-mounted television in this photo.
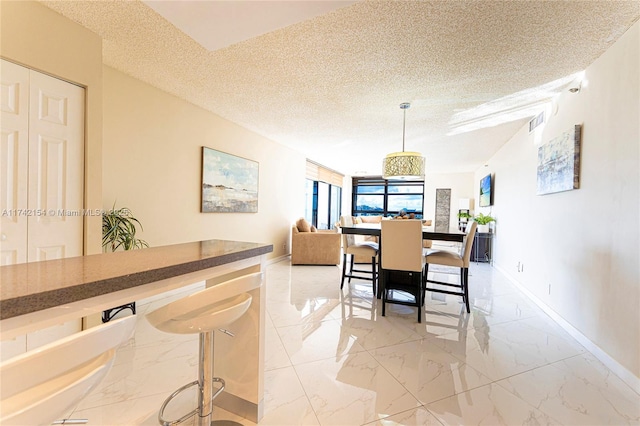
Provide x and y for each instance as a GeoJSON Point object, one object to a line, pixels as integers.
{"type": "Point", "coordinates": [486, 191]}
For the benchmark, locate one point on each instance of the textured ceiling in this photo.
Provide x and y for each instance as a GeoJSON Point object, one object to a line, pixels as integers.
{"type": "Point", "coordinates": [330, 87]}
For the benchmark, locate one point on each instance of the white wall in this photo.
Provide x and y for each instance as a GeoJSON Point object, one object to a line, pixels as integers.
{"type": "Point", "coordinates": [582, 243]}
{"type": "Point", "coordinates": [461, 185]}
{"type": "Point", "coordinates": [152, 164]}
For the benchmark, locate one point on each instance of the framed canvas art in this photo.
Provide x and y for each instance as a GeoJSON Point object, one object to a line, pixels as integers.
{"type": "Point", "coordinates": [229, 183]}
{"type": "Point", "coordinates": [559, 163]}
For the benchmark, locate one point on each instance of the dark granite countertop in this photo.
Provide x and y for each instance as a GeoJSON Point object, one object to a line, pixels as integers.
{"type": "Point", "coordinates": [30, 287]}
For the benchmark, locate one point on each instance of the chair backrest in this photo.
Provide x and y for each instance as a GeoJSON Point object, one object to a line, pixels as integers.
{"type": "Point", "coordinates": [468, 243]}
{"type": "Point", "coordinates": [348, 240]}
{"type": "Point", "coordinates": [44, 384]}
{"type": "Point", "coordinates": [401, 245]}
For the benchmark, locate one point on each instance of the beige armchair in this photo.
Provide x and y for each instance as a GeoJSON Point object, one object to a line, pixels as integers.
{"type": "Point", "coordinates": [314, 247]}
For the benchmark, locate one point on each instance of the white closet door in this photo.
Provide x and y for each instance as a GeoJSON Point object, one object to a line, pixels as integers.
{"type": "Point", "coordinates": [56, 168]}
{"type": "Point", "coordinates": [14, 147]}
{"type": "Point", "coordinates": [41, 179]}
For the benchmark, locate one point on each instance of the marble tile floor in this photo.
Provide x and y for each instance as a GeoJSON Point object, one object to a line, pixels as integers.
{"type": "Point", "coordinates": [332, 359]}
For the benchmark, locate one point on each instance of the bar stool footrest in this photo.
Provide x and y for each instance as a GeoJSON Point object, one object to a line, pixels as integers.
{"type": "Point", "coordinates": [195, 411]}
{"type": "Point", "coordinates": [161, 418]}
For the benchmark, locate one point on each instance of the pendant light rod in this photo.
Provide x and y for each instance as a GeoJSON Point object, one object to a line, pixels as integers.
{"type": "Point", "coordinates": [403, 165]}
{"type": "Point", "coordinates": [404, 106]}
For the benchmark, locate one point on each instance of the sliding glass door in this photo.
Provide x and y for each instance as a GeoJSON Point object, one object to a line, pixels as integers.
{"type": "Point", "coordinates": [322, 204]}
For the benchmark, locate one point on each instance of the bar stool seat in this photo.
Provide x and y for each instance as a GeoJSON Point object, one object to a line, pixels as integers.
{"type": "Point", "coordinates": [43, 384]}
{"type": "Point", "coordinates": [202, 313]}
{"type": "Point", "coordinates": [182, 317]}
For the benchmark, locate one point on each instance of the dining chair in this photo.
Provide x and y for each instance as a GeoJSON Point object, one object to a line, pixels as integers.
{"type": "Point", "coordinates": [427, 243]}
{"type": "Point", "coordinates": [448, 258]}
{"type": "Point", "coordinates": [402, 263]}
{"type": "Point", "coordinates": [351, 247]}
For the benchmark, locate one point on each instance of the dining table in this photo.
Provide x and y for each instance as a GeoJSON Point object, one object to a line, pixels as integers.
{"type": "Point", "coordinates": [375, 229]}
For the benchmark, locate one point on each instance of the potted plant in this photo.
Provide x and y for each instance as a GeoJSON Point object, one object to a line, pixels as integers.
{"type": "Point", "coordinates": [483, 222]}
{"type": "Point", "coordinates": [463, 219]}
{"type": "Point", "coordinates": [119, 228]}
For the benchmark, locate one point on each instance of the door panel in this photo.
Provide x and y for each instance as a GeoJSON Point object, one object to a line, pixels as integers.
{"type": "Point", "coordinates": [14, 146]}
{"type": "Point", "coordinates": [56, 146]}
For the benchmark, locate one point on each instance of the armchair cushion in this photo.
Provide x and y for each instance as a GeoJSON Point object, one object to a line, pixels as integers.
{"type": "Point", "coordinates": [371, 219]}
{"type": "Point", "coordinates": [303, 225]}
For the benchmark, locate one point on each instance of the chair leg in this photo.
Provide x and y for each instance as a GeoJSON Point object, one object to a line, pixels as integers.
{"type": "Point", "coordinates": [351, 268]}
{"type": "Point", "coordinates": [373, 274]}
{"type": "Point", "coordinates": [420, 301]}
{"type": "Point", "coordinates": [466, 288]}
{"type": "Point", "coordinates": [384, 293]}
{"type": "Point", "coordinates": [424, 282]}
{"type": "Point", "coordinates": [464, 299]}
{"type": "Point", "coordinates": [344, 269]}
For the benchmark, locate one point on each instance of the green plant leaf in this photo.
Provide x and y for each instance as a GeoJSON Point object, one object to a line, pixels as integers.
{"type": "Point", "coordinates": [119, 228]}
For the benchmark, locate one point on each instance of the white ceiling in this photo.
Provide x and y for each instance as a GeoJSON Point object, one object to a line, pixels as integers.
{"type": "Point", "coordinates": [327, 78]}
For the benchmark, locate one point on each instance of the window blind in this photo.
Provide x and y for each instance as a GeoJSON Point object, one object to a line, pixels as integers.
{"type": "Point", "coordinates": [320, 173]}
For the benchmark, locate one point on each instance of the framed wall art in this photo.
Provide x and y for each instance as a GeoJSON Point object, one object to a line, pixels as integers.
{"type": "Point", "coordinates": [229, 183]}
{"type": "Point", "coordinates": [559, 163]}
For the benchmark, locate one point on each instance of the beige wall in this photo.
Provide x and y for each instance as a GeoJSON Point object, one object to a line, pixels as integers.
{"type": "Point", "coordinates": [152, 164]}
{"type": "Point", "coordinates": [582, 243]}
{"type": "Point", "coordinates": [36, 37]}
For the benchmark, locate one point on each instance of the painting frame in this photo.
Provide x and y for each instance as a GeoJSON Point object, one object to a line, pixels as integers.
{"type": "Point", "coordinates": [229, 184]}
{"type": "Point", "coordinates": [558, 167]}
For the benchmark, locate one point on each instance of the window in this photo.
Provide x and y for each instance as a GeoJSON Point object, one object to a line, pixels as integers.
{"type": "Point", "coordinates": [323, 196]}
{"type": "Point", "coordinates": [376, 196]}
{"type": "Point", "coordinates": [323, 202]}
{"type": "Point", "coordinates": [311, 201]}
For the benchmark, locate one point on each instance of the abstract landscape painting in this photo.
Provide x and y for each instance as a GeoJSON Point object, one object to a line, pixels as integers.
{"type": "Point", "coordinates": [229, 183]}
{"type": "Point", "coordinates": [559, 163]}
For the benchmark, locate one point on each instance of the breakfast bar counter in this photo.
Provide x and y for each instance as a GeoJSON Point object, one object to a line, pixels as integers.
{"type": "Point", "coordinates": [37, 295]}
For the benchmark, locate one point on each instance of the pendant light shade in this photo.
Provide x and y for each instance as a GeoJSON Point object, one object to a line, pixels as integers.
{"type": "Point", "coordinates": [403, 165]}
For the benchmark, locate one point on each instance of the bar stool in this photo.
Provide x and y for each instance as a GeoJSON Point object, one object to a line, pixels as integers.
{"type": "Point", "coordinates": [204, 312]}
{"type": "Point", "coordinates": [41, 385]}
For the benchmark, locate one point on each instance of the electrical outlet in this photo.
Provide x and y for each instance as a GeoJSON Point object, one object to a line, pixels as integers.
{"type": "Point", "coordinates": [549, 289]}
{"type": "Point", "coordinates": [284, 246]}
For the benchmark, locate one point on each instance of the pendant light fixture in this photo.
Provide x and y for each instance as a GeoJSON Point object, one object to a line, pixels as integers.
{"type": "Point", "coordinates": [403, 165]}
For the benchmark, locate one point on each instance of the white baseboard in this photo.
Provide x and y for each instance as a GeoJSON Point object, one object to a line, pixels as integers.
{"type": "Point", "coordinates": [619, 370]}
{"type": "Point", "coordinates": [278, 259]}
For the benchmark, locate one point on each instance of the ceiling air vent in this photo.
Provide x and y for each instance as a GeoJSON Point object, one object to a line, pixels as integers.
{"type": "Point", "coordinates": [536, 121]}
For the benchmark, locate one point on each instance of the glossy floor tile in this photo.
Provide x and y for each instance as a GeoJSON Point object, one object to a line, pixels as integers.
{"type": "Point", "coordinates": [332, 359]}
